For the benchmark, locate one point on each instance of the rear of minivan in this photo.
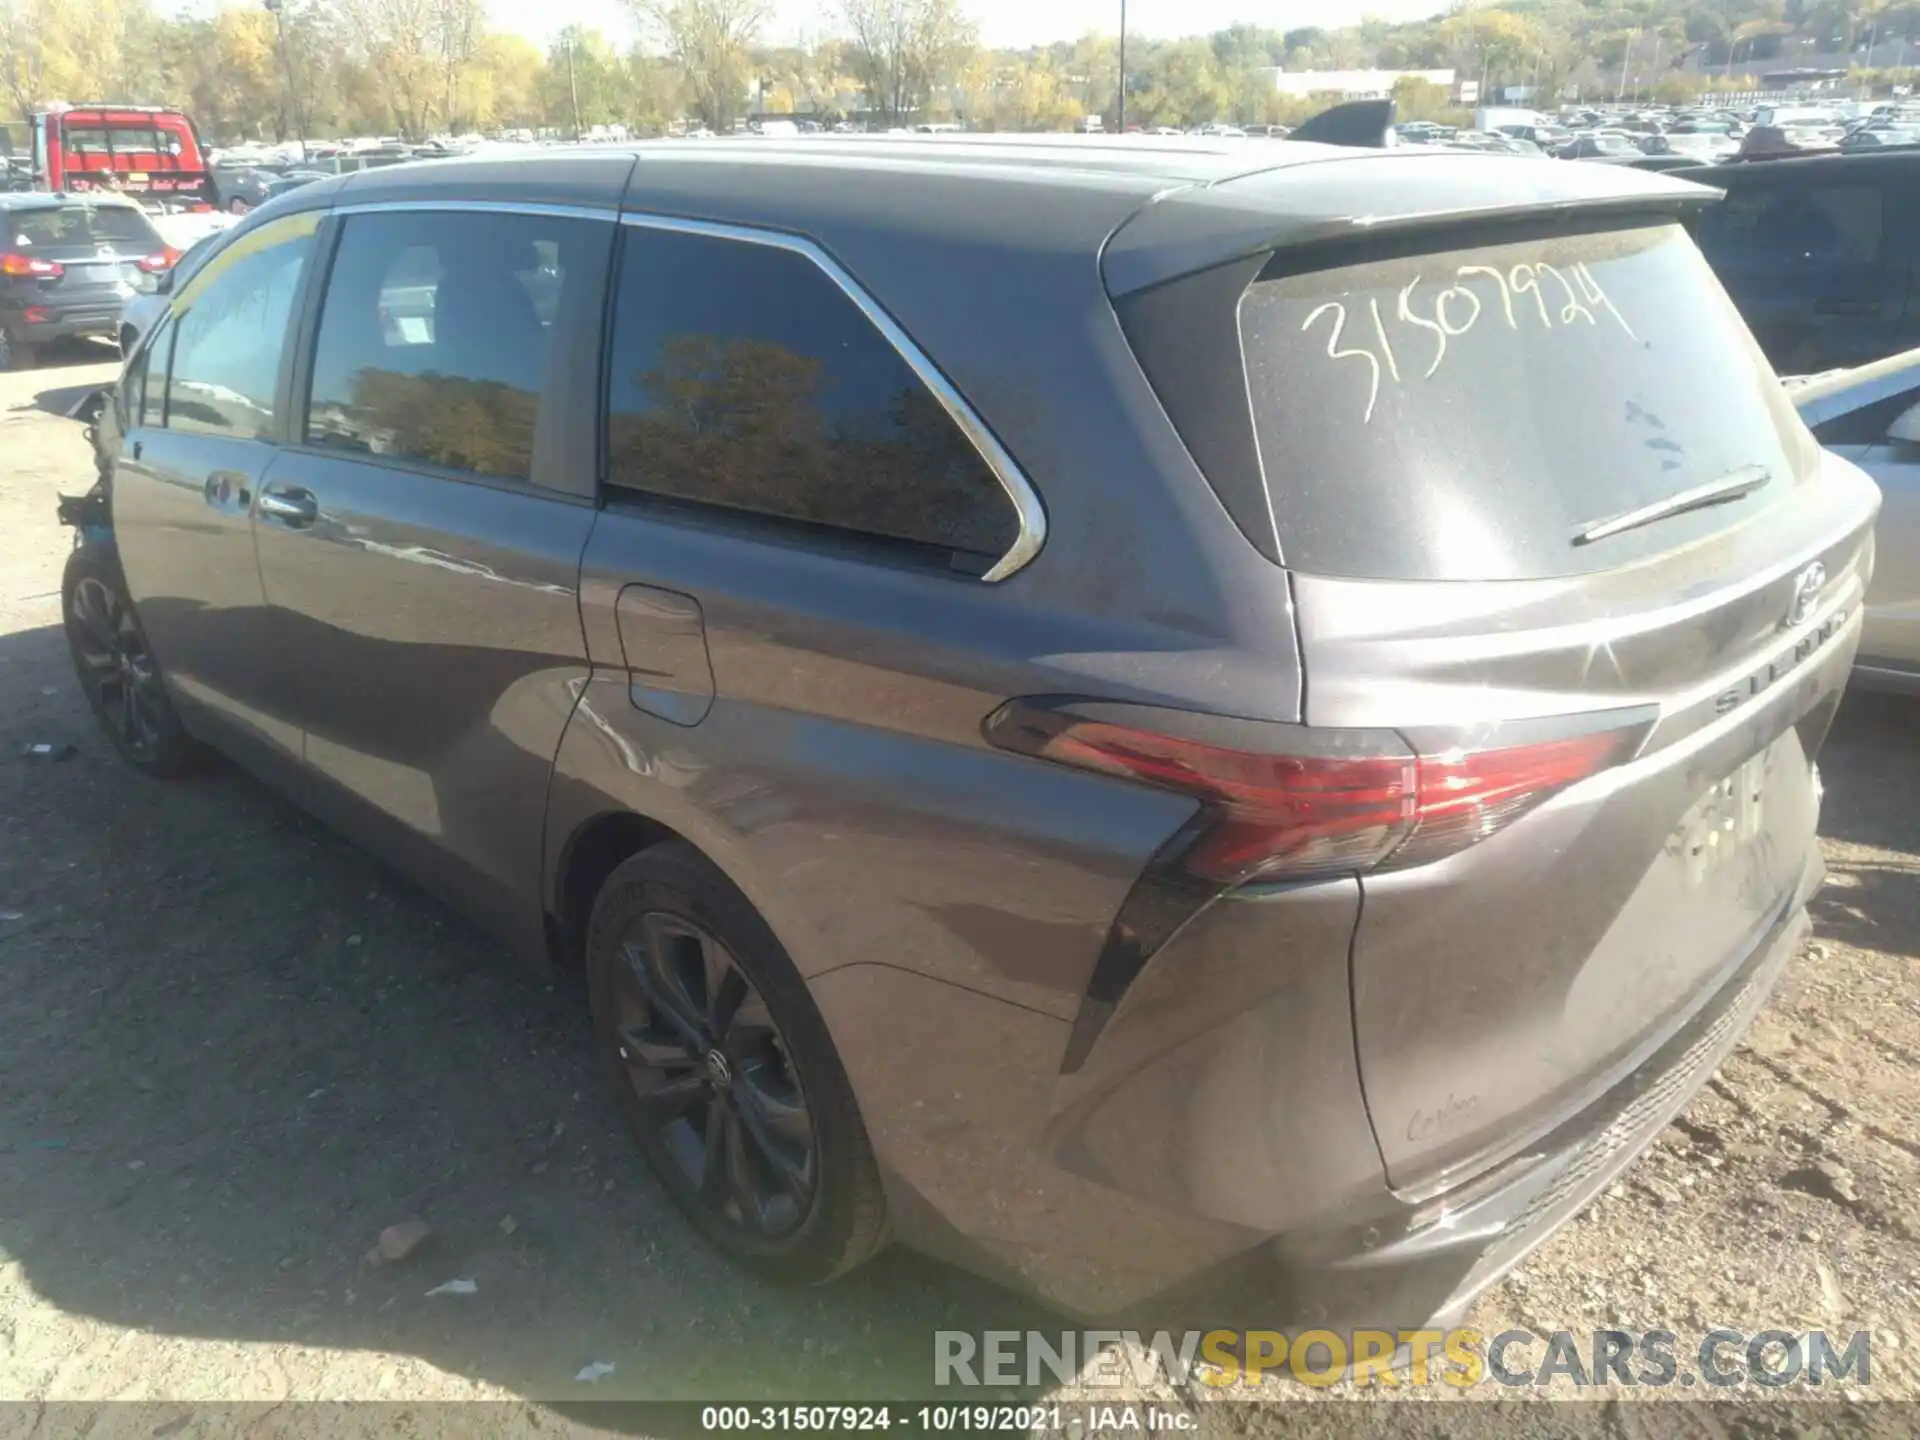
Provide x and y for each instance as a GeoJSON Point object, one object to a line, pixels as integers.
{"type": "Point", "coordinates": [1575, 597]}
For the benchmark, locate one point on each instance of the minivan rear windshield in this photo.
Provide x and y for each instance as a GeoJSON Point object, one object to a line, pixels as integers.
{"type": "Point", "coordinates": [1465, 414]}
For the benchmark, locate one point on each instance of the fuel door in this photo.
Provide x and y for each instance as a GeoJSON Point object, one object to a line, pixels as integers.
{"type": "Point", "coordinates": [663, 640]}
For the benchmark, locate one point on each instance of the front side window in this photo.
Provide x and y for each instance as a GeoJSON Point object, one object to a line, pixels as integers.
{"type": "Point", "coordinates": [435, 332]}
{"type": "Point", "coordinates": [148, 406]}
{"type": "Point", "coordinates": [743, 376]}
{"type": "Point", "coordinates": [132, 393]}
{"type": "Point", "coordinates": [230, 330]}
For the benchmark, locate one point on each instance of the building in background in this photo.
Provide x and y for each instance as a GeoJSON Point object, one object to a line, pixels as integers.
{"type": "Point", "coordinates": [1348, 84]}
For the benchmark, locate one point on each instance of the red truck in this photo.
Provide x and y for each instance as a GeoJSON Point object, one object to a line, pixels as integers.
{"type": "Point", "coordinates": [139, 150]}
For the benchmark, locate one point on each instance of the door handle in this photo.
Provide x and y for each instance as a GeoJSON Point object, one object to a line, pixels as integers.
{"type": "Point", "coordinates": [291, 507]}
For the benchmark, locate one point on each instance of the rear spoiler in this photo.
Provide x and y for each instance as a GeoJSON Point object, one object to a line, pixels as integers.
{"type": "Point", "coordinates": [1303, 200]}
{"type": "Point", "coordinates": [1364, 124]}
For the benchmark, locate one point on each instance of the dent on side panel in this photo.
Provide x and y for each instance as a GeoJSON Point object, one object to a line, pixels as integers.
{"type": "Point", "coordinates": [1226, 1083]}
{"type": "Point", "coordinates": [967, 1082]}
{"type": "Point", "coordinates": [840, 777]}
{"type": "Point", "coordinates": [867, 845]}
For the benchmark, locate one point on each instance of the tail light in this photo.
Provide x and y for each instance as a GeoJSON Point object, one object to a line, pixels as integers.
{"type": "Point", "coordinates": [16, 264]}
{"type": "Point", "coordinates": [1287, 803]}
{"type": "Point", "coordinates": [1335, 802]}
{"type": "Point", "coordinates": [160, 260]}
{"type": "Point", "coordinates": [1284, 802]}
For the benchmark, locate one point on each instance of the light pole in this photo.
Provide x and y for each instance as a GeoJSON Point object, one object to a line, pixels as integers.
{"type": "Point", "coordinates": [1121, 104]}
{"type": "Point", "coordinates": [278, 10]}
{"type": "Point", "coordinates": [573, 85]}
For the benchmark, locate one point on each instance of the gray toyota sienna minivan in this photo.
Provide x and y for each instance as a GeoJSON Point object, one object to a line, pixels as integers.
{"type": "Point", "coordinates": [1153, 720]}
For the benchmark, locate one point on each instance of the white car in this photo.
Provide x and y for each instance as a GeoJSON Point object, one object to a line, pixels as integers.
{"type": "Point", "coordinates": [144, 309]}
{"type": "Point", "coordinates": [1871, 416]}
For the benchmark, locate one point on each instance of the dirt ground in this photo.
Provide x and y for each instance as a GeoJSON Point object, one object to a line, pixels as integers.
{"type": "Point", "coordinates": [232, 1050]}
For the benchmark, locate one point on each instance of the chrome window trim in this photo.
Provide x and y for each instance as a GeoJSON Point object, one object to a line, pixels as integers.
{"type": "Point", "coordinates": [491, 207]}
{"type": "Point", "coordinates": [1031, 514]}
{"type": "Point", "coordinates": [1027, 508]}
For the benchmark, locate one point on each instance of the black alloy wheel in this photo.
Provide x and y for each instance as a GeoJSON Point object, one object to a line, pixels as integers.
{"type": "Point", "coordinates": [726, 1072]}
{"type": "Point", "coordinates": [115, 665]}
{"type": "Point", "coordinates": [710, 1071]}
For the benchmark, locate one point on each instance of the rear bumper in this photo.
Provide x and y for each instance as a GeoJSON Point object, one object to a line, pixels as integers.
{"type": "Point", "coordinates": [1430, 1262]}
{"type": "Point", "coordinates": [63, 322]}
{"type": "Point", "coordinates": [37, 319]}
{"type": "Point", "coordinates": [1135, 1205]}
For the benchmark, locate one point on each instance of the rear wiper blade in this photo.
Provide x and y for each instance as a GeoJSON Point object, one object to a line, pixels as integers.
{"type": "Point", "coordinates": [1734, 485]}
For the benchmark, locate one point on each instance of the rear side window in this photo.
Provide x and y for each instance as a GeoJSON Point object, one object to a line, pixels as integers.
{"type": "Point", "coordinates": [1774, 228]}
{"type": "Point", "coordinates": [1464, 415]}
{"type": "Point", "coordinates": [434, 337]}
{"type": "Point", "coordinates": [743, 376]}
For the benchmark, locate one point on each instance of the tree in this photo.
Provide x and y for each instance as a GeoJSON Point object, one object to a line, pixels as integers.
{"type": "Point", "coordinates": [395, 36]}
{"type": "Point", "coordinates": [1247, 47]}
{"type": "Point", "coordinates": [709, 40]}
{"type": "Point", "coordinates": [1095, 60]}
{"type": "Point", "coordinates": [454, 36]}
{"type": "Point", "coordinates": [92, 49]}
{"type": "Point", "coordinates": [1033, 93]}
{"type": "Point", "coordinates": [1417, 99]}
{"type": "Point", "coordinates": [1307, 39]}
{"type": "Point", "coordinates": [593, 76]}
{"type": "Point", "coordinates": [24, 41]}
{"type": "Point", "coordinates": [228, 75]}
{"type": "Point", "coordinates": [503, 86]}
{"type": "Point", "coordinates": [1182, 84]}
{"type": "Point", "coordinates": [901, 51]}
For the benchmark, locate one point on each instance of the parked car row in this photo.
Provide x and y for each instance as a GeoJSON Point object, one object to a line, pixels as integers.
{"type": "Point", "coordinates": [1661, 139]}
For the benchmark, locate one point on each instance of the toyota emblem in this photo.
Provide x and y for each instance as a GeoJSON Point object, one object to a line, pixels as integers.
{"type": "Point", "coordinates": [1806, 592]}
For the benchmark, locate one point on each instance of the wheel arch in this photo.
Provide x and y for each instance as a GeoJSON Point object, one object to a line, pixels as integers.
{"type": "Point", "coordinates": [593, 850]}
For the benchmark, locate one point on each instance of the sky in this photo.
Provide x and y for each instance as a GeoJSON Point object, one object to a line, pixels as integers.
{"type": "Point", "coordinates": [1002, 22]}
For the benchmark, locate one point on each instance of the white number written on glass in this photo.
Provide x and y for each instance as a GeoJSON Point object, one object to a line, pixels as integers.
{"type": "Point", "coordinates": [1520, 297]}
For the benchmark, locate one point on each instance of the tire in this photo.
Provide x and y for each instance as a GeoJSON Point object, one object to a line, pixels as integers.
{"type": "Point", "coordinates": [116, 668]}
{"type": "Point", "coordinates": [707, 1030]}
{"type": "Point", "coordinates": [16, 354]}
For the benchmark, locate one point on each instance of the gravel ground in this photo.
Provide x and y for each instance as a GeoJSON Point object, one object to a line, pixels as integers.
{"type": "Point", "coordinates": [233, 1050]}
